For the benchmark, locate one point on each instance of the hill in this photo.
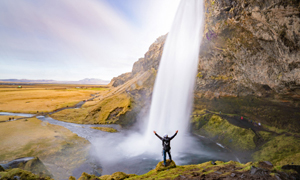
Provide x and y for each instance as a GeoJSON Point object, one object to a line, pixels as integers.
{"type": "Point", "coordinates": [83, 81]}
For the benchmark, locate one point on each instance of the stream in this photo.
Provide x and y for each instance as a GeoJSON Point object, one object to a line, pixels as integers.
{"type": "Point", "coordinates": [105, 152]}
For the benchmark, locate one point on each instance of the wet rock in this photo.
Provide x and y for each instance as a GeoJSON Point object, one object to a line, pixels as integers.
{"type": "Point", "coordinates": [32, 164]}
{"type": "Point", "coordinates": [258, 171]}
{"type": "Point", "coordinates": [17, 178]}
{"type": "Point", "coordinates": [266, 165]}
{"type": "Point", "coordinates": [1, 168]}
{"type": "Point", "coordinates": [218, 172]}
{"type": "Point", "coordinates": [277, 177]}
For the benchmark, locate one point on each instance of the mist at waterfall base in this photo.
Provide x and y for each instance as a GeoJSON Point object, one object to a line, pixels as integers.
{"type": "Point", "coordinates": [139, 150]}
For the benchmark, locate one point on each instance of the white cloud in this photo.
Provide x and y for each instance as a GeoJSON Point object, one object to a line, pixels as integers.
{"type": "Point", "coordinates": [76, 33]}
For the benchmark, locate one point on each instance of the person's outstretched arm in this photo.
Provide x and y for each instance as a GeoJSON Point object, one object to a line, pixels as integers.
{"type": "Point", "coordinates": [174, 135]}
{"type": "Point", "coordinates": [158, 135]}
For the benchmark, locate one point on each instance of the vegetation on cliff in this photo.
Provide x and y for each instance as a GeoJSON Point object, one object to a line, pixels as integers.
{"type": "Point", "coordinates": [280, 150]}
{"type": "Point", "coordinates": [225, 133]}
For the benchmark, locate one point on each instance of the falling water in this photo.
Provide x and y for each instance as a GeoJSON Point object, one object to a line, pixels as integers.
{"type": "Point", "coordinates": [173, 90]}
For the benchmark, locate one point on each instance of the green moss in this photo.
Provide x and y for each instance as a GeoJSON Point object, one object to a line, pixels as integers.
{"type": "Point", "coordinates": [228, 134]}
{"type": "Point", "coordinates": [266, 135]}
{"type": "Point", "coordinates": [72, 178]}
{"type": "Point", "coordinates": [200, 121]}
{"type": "Point", "coordinates": [85, 176]}
{"type": "Point", "coordinates": [280, 150]}
{"type": "Point", "coordinates": [221, 77]}
{"type": "Point", "coordinates": [188, 171]}
{"type": "Point", "coordinates": [160, 166]}
{"type": "Point", "coordinates": [106, 129]}
{"type": "Point", "coordinates": [117, 176]}
{"type": "Point", "coordinates": [199, 112]}
{"type": "Point", "coordinates": [10, 174]}
{"type": "Point", "coordinates": [269, 111]}
{"type": "Point", "coordinates": [199, 75]}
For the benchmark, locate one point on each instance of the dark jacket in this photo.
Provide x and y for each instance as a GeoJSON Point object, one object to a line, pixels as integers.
{"type": "Point", "coordinates": [166, 141]}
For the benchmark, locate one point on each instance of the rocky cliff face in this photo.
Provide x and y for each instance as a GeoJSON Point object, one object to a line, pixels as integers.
{"type": "Point", "coordinates": [250, 48]}
{"type": "Point", "coordinates": [150, 61]}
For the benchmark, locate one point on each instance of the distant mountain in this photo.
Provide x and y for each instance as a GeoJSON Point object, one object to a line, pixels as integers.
{"type": "Point", "coordinates": [83, 81]}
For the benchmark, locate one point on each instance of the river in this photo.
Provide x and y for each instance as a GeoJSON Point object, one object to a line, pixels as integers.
{"type": "Point", "coordinates": [106, 149]}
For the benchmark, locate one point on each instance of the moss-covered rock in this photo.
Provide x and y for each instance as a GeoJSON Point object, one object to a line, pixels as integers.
{"type": "Point", "coordinates": [220, 170]}
{"type": "Point", "coordinates": [86, 176]}
{"type": "Point", "coordinates": [161, 167]}
{"type": "Point", "coordinates": [117, 176]}
{"type": "Point", "coordinates": [227, 134]}
{"type": "Point", "coordinates": [21, 174]}
{"type": "Point", "coordinates": [280, 150]}
{"type": "Point", "coordinates": [72, 178]}
{"type": "Point", "coordinates": [37, 167]}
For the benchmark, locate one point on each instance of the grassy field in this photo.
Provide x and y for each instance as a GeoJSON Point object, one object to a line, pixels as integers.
{"type": "Point", "coordinates": [44, 98]}
{"type": "Point", "coordinates": [60, 149]}
{"type": "Point", "coordinates": [32, 137]}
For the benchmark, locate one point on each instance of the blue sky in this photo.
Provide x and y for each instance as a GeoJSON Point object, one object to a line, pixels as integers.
{"type": "Point", "coordinates": [75, 39]}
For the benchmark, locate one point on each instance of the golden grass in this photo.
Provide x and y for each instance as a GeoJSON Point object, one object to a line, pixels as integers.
{"type": "Point", "coordinates": [73, 115]}
{"type": "Point", "coordinates": [106, 129]}
{"type": "Point", "coordinates": [96, 112]}
{"type": "Point", "coordinates": [33, 99]}
{"type": "Point", "coordinates": [57, 147]}
{"type": "Point", "coordinates": [33, 137]}
{"type": "Point", "coordinates": [110, 104]}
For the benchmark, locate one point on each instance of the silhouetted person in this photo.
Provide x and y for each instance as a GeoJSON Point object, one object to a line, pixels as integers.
{"type": "Point", "coordinates": [166, 145]}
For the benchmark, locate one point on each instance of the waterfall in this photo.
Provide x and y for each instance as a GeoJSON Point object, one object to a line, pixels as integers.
{"type": "Point", "coordinates": [173, 90]}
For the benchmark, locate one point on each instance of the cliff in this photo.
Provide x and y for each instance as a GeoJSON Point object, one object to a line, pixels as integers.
{"type": "Point", "coordinates": [250, 48]}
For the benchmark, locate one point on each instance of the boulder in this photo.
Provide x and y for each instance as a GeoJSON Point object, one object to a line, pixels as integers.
{"type": "Point", "coordinates": [161, 167]}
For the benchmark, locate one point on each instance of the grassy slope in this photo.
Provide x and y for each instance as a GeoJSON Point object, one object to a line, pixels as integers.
{"type": "Point", "coordinates": [279, 146]}
{"type": "Point", "coordinates": [280, 150]}
{"type": "Point", "coordinates": [106, 129]}
{"type": "Point", "coordinates": [56, 146]}
{"type": "Point", "coordinates": [213, 126]}
{"type": "Point", "coordinates": [96, 112]}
